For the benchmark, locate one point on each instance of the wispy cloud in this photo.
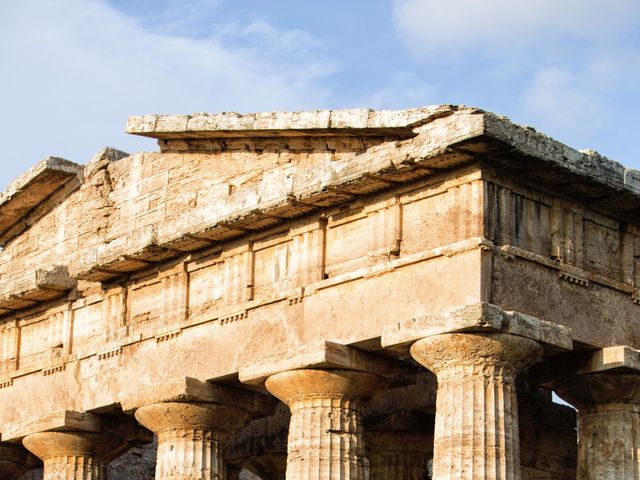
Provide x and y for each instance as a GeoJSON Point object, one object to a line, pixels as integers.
{"type": "Point", "coordinates": [568, 67]}
{"type": "Point", "coordinates": [74, 69]}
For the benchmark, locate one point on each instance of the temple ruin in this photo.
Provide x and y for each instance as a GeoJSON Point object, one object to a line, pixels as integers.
{"type": "Point", "coordinates": [322, 295]}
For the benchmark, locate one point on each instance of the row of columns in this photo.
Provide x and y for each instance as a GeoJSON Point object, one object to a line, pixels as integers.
{"type": "Point", "coordinates": [476, 428]}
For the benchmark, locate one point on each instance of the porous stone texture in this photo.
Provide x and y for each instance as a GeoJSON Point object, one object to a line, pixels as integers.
{"type": "Point", "coordinates": [74, 455]}
{"type": "Point", "coordinates": [609, 424]}
{"type": "Point", "coordinates": [347, 239]}
{"type": "Point", "coordinates": [476, 431]}
{"type": "Point", "coordinates": [325, 435]}
{"type": "Point", "coordinates": [399, 455]}
{"type": "Point", "coordinates": [191, 437]}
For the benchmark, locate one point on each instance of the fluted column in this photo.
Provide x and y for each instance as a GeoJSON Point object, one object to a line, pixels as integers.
{"type": "Point", "coordinates": [325, 433]}
{"type": "Point", "coordinates": [398, 455]}
{"type": "Point", "coordinates": [476, 431]}
{"type": "Point", "coordinates": [15, 461]}
{"type": "Point", "coordinates": [190, 437]}
{"type": "Point", "coordinates": [609, 424]}
{"type": "Point", "coordinates": [74, 455]}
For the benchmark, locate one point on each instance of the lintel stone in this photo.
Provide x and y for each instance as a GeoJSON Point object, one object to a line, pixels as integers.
{"type": "Point", "coordinates": [190, 389]}
{"type": "Point", "coordinates": [327, 355]}
{"type": "Point", "coordinates": [480, 317]}
{"type": "Point", "coordinates": [619, 358]}
{"type": "Point", "coordinates": [63, 421]}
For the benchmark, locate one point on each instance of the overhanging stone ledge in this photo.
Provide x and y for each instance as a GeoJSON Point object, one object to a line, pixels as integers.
{"type": "Point", "coordinates": [63, 421]}
{"type": "Point", "coordinates": [480, 317]}
{"type": "Point", "coordinates": [31, 189]}
{"type": "Point", "coordinates": [327, 355]}
{"type": "Point", "coordinates": [43, 285]}
{"type": "Point", "coordinates": [190, 389]}
{"type": "Point", "coordinates": [307, 123]}
{"type": "Point", "coordinates": [614, 359]}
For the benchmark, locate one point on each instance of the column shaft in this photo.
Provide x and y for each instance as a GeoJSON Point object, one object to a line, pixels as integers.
{"type": "Point", "coordinates": [190, 437]}
{"type": "Point", "coordinates": [398, 455]}
{"type": "Point", "coordinates": [74, 467]}
{"type": "Point", "coordinates": [325, 439]}
{"type": "Point", "coordinates": [325, 433]}
{"type": "Point", "coordinates": [189, 454]}
{"type": "Point", "coordinates": [609, 444]}
{"type": "Point", "coordinates": [476, 431]}
{"type": "Point", "coordinates": [608, 406]}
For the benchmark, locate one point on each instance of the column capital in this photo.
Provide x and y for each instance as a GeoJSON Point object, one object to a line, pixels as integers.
{"type": "Point", "coordinates": [170, 416]}
{"type": "Point", "coordinates": [325, 435]}
{"type": "Point", "coordinates": [74, 455]}
{"type": "Point", "coordinates": [296, 385]}
{"type": "Point", "coordinates": [47, 445]}
{"type": "Point", "coordinates": [444, 352]}
{"type": "Point", "coordinates": [192, 432]}
{"type": "Point", "coordinates": [605, 388]}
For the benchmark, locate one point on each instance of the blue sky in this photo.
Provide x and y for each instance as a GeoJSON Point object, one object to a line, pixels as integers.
{"type": "Point", "coordinates": [73, 70]}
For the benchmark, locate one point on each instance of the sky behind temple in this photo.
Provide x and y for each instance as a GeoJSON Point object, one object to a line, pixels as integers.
{"type": "Point", "coordinates": [71, 71]}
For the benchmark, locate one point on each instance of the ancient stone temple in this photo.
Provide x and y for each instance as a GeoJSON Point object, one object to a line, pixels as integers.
{"type": "Point", "coordinates": [322, 295]}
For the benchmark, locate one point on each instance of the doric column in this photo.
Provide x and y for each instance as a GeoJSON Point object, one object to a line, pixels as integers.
{"type": "Point", "coordinates": [190, 437]}
{"type": "Point", "coordinates": [398, 455]}
{"type": "Point", "coordinates": [609, 423]}
{"type": "Point", "coordinates": [74, 455]}
{"type": "Point", "coordinates": [325, 434]}
{"type": "Point", "coordinates": [14, 461]}
{"type": "Point", "coordinates": [476, 431]}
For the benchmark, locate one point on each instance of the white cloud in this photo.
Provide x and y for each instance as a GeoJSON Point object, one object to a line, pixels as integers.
{"type": "Point", "coordinates": [568, 67]}
{"type": "Point", "coordinates": [580, 100]}
{"type": "Point", "coordinates": [74, 69]}
{"type": "Point", "coordinates": [431, 26]}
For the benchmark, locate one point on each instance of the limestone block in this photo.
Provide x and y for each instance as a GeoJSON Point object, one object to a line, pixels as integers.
{"type": "Point", "coordinates": [477, 318]}
{"type": "Point", "coordinates": [476, 431]}
{"type": "Point", "coordinates": [326, 355]}
{"type": "Point", "coordinates": [325, 434]}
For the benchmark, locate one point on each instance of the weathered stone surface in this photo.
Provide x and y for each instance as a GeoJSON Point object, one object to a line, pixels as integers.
{"type": "Point", "coordinates": [190, 437]}
{"type": "Point", "coordinates": [325, 434]}
{"type": "Point", "coordinates": [340, 238]}
{"type": "Point", "coordinates": [26, 193]}
{"type": "Point", "coordinates": [605, 388]}
{"type": "Point", "coordinates": [476, 432]}
{"type": "Point", "coordinates": [74, 455]}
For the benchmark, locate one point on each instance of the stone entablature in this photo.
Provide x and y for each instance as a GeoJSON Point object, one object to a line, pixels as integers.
{"type": "Point", "coordinates": [319, 258]}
